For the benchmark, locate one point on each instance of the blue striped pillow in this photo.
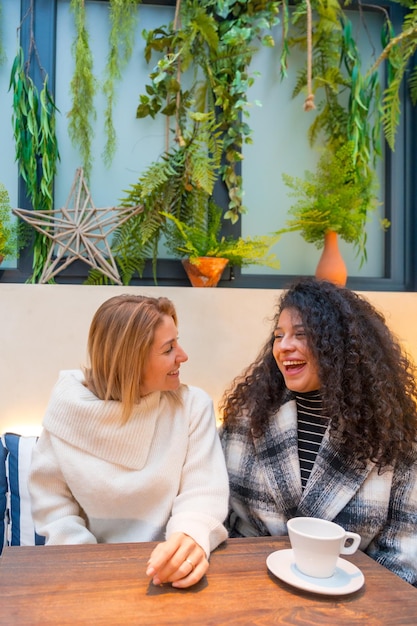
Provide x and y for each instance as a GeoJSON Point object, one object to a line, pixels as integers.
{"type": "Point", "coordinates": [21, 528]}
{"type": "Point", "coordinates": [3, 496]}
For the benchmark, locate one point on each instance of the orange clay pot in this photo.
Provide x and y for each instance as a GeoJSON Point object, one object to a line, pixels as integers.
{"type": "Point", "coordinates": [331, 265]}
{"type": "Point", "coordinates": [205, 271]}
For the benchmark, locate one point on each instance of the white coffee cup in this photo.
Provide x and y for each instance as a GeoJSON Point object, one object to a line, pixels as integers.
{"type": "Point", "coordinates": [317, 544]}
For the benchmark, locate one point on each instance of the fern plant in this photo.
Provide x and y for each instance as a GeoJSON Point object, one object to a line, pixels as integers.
{"type": "Point", "coordinates": [179, 186]}
{"type": "Point", "coordinates": [201, 237]}
{"type": "Point", "coordinates": [398, 52]}
{"type": "Point", "coordinates": [179, 183]}
{"type": "Point", "coordinates": [334, 198]}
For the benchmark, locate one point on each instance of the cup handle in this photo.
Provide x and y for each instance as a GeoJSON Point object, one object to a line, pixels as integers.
{"type": "Point", "coordinates": [350, 549]}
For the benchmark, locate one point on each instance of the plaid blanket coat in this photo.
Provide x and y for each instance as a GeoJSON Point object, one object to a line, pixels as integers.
{"type": "Point", "coordinates": [265, 483]}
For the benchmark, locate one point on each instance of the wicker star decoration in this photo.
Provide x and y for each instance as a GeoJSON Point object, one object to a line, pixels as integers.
{"type": "Point", "coordinates": [79, 230]}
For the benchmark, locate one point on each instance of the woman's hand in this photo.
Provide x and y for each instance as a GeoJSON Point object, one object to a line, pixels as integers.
{"type": "Point", "coordinates": [178, 560]}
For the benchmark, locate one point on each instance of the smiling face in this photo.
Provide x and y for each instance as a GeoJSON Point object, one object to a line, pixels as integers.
{"type": "Point", "coordinates": [164, 360]}
{"type": "Point", "coordinates": [292, 354]}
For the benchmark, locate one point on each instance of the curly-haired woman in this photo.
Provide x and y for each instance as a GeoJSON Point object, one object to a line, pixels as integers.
{"type": "Point", "coordinates": [323, 424]}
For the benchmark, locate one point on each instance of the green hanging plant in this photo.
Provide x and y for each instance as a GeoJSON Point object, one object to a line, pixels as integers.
{"type": "Point", "coordinates": [213, 43]}
{"type": "Point", "coordinates": [84, 84]}
{"type": "Point", "coordinates": [83, 88]}
{"type": "Point", "coordinates": [347, 126]}
{"type": "Point", "coordinates": [337, 77]}
{"type": "Point", "coordinates": [36, 145]}
{"type": "Point", "coordinates": [123, 19]}
{"type": "Point", "coordinates": [398, 51]}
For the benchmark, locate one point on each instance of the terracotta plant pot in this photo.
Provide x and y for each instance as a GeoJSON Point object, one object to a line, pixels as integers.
{"type": "Point", "coordinates": [331, 265]}
{"type": "Point", "coordinates": [205, 271]}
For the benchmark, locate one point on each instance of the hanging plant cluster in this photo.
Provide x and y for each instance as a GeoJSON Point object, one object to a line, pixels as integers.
{"type": "Point", "coordinates": [341, 193]}
{"type": "Point", "coordinates": [213, 44]}
{"type": "Point", "coordinates": [123, 17]}
{"type": "Point", "coordinates": [36, 144]}
{"type": "Point", "coordinates": [199, 82]}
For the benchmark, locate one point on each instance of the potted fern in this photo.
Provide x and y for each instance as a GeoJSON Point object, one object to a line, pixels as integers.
{"type": "Point", "coordinates": [333, 202]}
{"type": "Point", "coordinates": [176, 193]}
{"type": "Point", "coordinates": [205, 253]}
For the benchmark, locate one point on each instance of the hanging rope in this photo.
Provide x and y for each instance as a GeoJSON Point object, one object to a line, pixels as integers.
{"type": "Point", "coordinates": [309, 101]}
{"type": "Point", "coordinates": [177, 25]}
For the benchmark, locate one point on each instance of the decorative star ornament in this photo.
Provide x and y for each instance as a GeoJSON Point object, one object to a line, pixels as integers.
{"type": "Point", "coordinates": [79, 230]}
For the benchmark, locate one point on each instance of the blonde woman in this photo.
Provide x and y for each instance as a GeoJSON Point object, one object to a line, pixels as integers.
{"type": "Point", "coordinates": [127, 452]}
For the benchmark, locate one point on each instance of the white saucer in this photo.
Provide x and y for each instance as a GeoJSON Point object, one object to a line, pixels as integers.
{"type": "Point", "coordinates": [346, 579]}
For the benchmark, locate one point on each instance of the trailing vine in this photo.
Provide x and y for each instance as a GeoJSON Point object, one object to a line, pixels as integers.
{"type": "Point", "coordinates": [347, 126]}
{"type": "Point", "coordinates": [123, 19]}
{"type": "Point", "coordinates": [397, 53]}
{"type": "Point", "coordinates": [84, 84]}
{"type": "Point", "coordinates": [83, 88]}
{"type": "Point", "coordinates": [214, 42]}
{"type": "Point", "coordinates": [36, 144]}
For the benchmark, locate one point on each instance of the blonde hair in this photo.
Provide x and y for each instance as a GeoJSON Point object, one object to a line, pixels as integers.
{"type": "Point", "coordinates": [120, 337]}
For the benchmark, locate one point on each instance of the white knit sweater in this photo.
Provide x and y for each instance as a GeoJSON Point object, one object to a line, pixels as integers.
{"type": "Point", "coordinates": [95, 479]}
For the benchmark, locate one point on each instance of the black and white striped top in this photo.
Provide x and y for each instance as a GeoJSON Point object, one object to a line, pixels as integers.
{"type": "Point", "coordinates": [311, 428]}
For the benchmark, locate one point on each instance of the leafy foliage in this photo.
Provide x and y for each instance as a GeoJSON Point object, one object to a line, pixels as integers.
{"type": "Point", "coordinates": [8, 230]}
{"type": "Point", "coordinates": [179, 183]}
{"type": "Point", "coordinates": [337, 79]}
{"type": "Point", "coordinates": [84, 84]}
{"type": "Point", "coordinates": [212, 42]}
{"type": "Point", "coordinates": [398, 51]}
{"type": "Point", "coordinates": [123, 19]}
{"type": "Point", "coordinates": [83, 88]}
{"type": "Point", "coordinates": [216, 41]}
{"type": "Point", "coordinates": [347, 125]}
{"type": "Point", "coordinates": [201, 237]}
{"type": "Point", "coordinates": [336, 197]}
{"type": "Point", "coordinates": [36, 146]}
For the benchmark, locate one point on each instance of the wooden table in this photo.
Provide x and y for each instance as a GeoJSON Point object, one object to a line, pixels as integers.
{"type": "Point", "coordinates": [106, 585]}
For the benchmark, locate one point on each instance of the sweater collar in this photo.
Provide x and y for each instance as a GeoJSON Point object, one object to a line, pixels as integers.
{"type": "Point", "coordinates": [77, 416]}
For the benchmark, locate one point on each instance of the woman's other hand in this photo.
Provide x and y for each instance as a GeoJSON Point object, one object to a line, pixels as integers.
{"type": "Point", "coordinates": [178, 560]}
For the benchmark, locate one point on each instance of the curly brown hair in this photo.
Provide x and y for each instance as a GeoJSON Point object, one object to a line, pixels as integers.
{"type": "Point", "coordinates": [369, 387]}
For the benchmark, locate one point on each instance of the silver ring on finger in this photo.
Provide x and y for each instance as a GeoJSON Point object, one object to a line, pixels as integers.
{"type": "Point", "coordinates": [191, 563]}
